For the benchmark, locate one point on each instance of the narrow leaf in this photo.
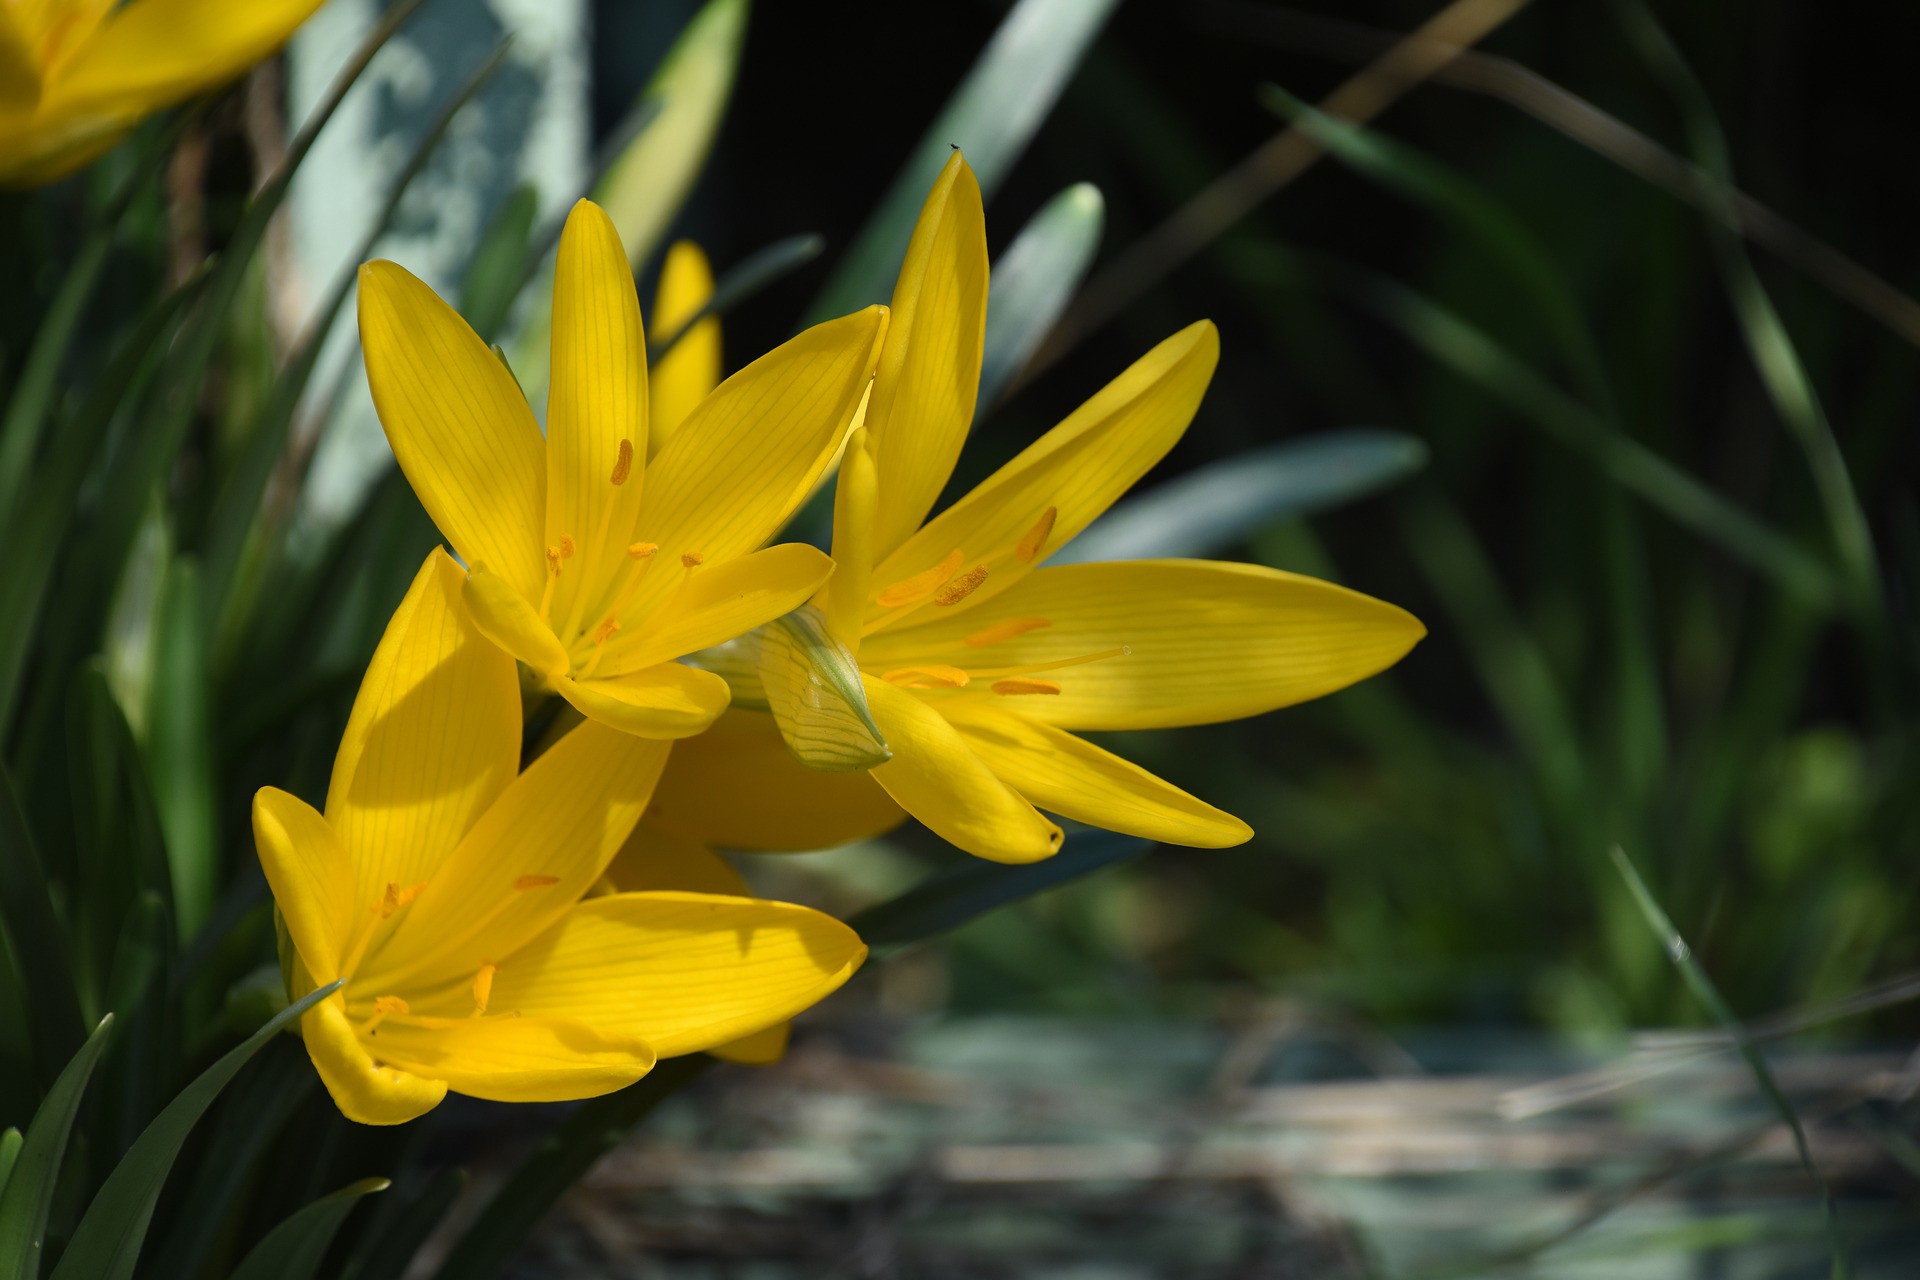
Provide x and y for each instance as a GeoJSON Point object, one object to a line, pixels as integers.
{"type": "Point", "coordinates": [180, 749]}
{"type": "Point", "coordinates": [28, 1195]}
{"type": "Point", "coordinates": [53, 1005]}
{"type": "Point", "coordinates": [1210, 509]}
{"type": "Point", "coordinates": [992, 116]}
{"type": "Point", "coordinates": [389, 1253]}
{"type": "Point", "coordinates": [1703, 989]}
{"type": "Point", "coordinates": [294, 1249]}
{"type": "Point", "coordinates": [812, 686]}
{"type": "Point", "coordinates": [972, 887]}
{"type": "Point", "coordinates": [10, 1144]}
{"type": "Point", "coordinates": [106, 1244]}
{"type": "Point", "coordinates": [1033, 281]}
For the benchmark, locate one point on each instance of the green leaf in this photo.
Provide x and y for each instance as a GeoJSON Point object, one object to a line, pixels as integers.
{"type": "Point", "coordinates": [41, 522]}
{"type": "Point", "coordinates": [388, 1253]}
{"type": "Point", "coordinates": [28, 1195]}
{"type": "Point", "coordinates": [812, 686]}
{"type": "Point", "coordinates": [1209, 510]}
{"type": "Point", "coordinates": [120, 854]}
{"type": "Point", "coordinates": [106, 1244]}
{"type": "Point", "coordinates": [1033, 281]}
{"type": "Point", "coordinates": [239, 501]}
{"type": "Point", "coordinates": [644, 188]}
{"type": "Point", "coordinates": [294, 1249]}
{"type": "Point", "coordinates": [972, 887]}
{"type": "Point", "coordinates": [10, 1144]}
{"type": "Point", "coordinates": [594, 1129]}
{"type": "Point", "coordinates": [180, 750]}
{"type": "Point", "coordinates": [991, 117]}
{"type": "Point", "coordinates": [34, 930]}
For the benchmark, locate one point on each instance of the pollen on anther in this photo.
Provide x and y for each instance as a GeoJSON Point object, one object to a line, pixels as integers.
{"type": "Point", "coordinates": [961, 587]}
{"type": "Point", "coordinates": [522, 883]}
{"type": "Point", "coordinates": [1015, 685]}
{"type": "Point", "coordinates": [920, 585]}
{"type": "Point", "coordinates": [1036, 537]}
{"type": "Point", "coordinates": [623, 465]}
{"type": "Point", "coordinates": [553, 561]}
{"type": "Point", "coordinates": [395, 898]}
{"type": "Point", "coordinates": [642, 550]}
{"type": "Point", "coordinates": [692, 559]}
{"type": "Point", "coordinates": [1006, 630]}
{"type": "Point", "coordinates": [606, 630]}
{"type": "Point", "coordinates": [483, 988]}
{"type": "Point", "coordinates": [566, 546]}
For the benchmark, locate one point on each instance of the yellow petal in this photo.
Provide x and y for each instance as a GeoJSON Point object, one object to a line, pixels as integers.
{"type": "Point", "coordinates": [935, 776]}
{"type": "Point", "coordinates": [1077, 469]}
{"type": "Point", "coordinates": [1075, 779]}
{"type": "Point", "coordinates": [541, 845]}
{"type": "Point", "coordinates": [681, 971]}
{"type": "Point", "coordinates": [19, 63]}
{"type": "Point", "coordinates": [760, 1049]}
{"type": "Point", "coordinates": [721, 602]}
{"type": "Point", "coordinates": [366, 1092]}
{"type": "Point", "coordinates": [691, 369]}
{"type": "Point", "coordinates": [738, 786]}
{"type": "Point", "coordinates": [434, 738]}
{"type": "Point", "coordinates": [597, 400]}
{"type": "Point", "coordinates": [311, 878]}
{"type": "Point", "coordinates": [749, 455]}
{"type": "Point", "coordinates": [1209, 641]}
{"type": "Point", "coordinates": [458, 425]}
{"type": "Point", "coordinates": [929, 375]}
{"type": "Point", "coordinates": [856, 497]}
{"type": "Point", "coordinates": [657, 858]}
{"type": "Point", "coordinates": [505, 617]}
{"type": "Point", "coordinates": [154, 52]}
{"type": "Point", "coordinates": [515, 1058]}
{"type": "Point", "coordinates": [665, 701]}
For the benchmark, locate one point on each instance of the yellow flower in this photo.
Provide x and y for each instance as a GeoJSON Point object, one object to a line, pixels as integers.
{"type": "Point", "coordinates": [75, 75]}
{"type": "Point", "coordinates": [979, 663]}
{"type": "Point", "coordinates": [593, 559]}
{"type": "Point", "coordinates": [447, 888]}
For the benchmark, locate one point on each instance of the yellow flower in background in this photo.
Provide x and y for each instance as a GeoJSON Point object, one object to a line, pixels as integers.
{"type": "Point", "coordinates": [75, 75]}
{"type": "Point", "coordinates": [594, 559]}
{"type": "Point", "coordinates": [690, 370]}
{"type": "Point", "coordinates": [448, 889]}
{"type": "Point", "coordinates": [979, 663]}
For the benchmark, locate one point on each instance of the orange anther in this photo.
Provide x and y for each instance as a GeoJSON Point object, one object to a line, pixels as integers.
{"type": "Point", "coordinates": [1006, 630]}
{"type": "Point", "coordinates": [523, 883]}
{"type": "Point", "coordinates": [961, 587]}
{"type": "Point", "coordinates": [1015, 685]}
{"type": "Point", "coordinates": [922, 584]}
{"type": "Point", "coordinates": [623, 465]}
{"type": "Point", "coordinates": [1036, 537]}
{"type": "Point", "coordinates": [932, 676]}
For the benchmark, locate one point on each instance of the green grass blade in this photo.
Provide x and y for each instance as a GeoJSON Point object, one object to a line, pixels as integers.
{"type": "Point", "coordinates": [27, 1197]}
{"type": "Point", "coordinates": [1209, 510]}
{"type": "Point", "coordinates": [106, 1244]}
{"type": "Point", "coordinates": [1775, 358]}
{"type": "Point", "coordinates": [1476, 357]}
{"type": "Point", "coordinates": [10, 1144]}
{"type": "Point", "coordinates": [496, 272]}
{"type": "Point", "coordinates": [239, 501]}
{"type": "Point", "coordinates": [991, 117]}
{"type": "Point", "coordinates": [1703, 989]}
{"type": "Point", "coordinates": [34, 930]}
{"type": "Point", "coordinates": [1033, 281]}
{"type": "Point", "coordinates": [294, 1249]}
{"type": "Point", "coordinates": [556, 1165]}
{"type": "Point", "coordinates": [180, 749]}
{"type": "Point", "coordinates": [972, 887]}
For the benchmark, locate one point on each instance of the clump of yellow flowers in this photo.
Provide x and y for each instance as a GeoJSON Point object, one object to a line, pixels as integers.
{"type": "Point", "coordinates": [547, 931]}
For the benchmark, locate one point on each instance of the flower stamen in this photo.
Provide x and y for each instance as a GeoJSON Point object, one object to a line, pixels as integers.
{"type": "Point", "coordinates": [1006, 630]}
{"type": "Point", "coordinates": [483, 987]}
{"type": "Point", "coordinates": [961, 586]}
{"type": "Point", "coordinates": [1021, 685]}
{"type": "Point", "coordinates": [1036, 537]}
{"type": "Point", "coordinates": [383, 1007]}
{"type": "Point", "coordinates": [932, 676]}
{"type": "Point", "coordinates": [921, 585]}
